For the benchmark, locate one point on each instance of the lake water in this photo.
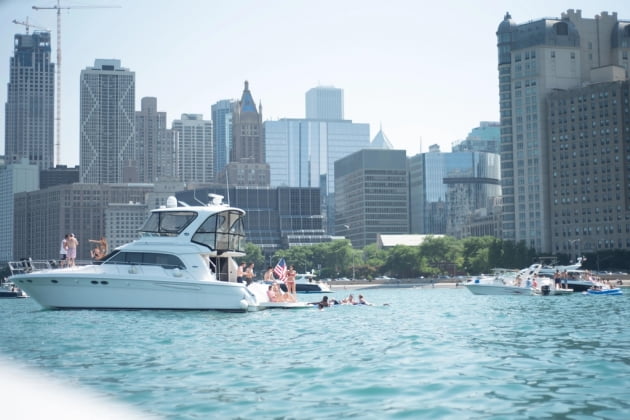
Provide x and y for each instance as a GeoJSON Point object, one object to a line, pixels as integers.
{"type": "Point", "coordinates": [431, 353]}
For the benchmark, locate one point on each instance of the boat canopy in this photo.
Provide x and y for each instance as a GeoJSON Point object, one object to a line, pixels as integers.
{"type": "Point", "coordinates": [222, 232]}
{"type": "Point", "coordinates": [170, 223]}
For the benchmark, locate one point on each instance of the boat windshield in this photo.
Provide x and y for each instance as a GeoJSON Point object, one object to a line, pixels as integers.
{"type": "Point", "coordinates": [170, 223]}
{"type": "Point", "coordinates": [222, 232]}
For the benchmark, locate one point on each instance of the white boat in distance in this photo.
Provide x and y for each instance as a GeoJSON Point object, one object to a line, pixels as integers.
{"type": "Point", "coordinates": [306, 283]}
{"type": "Point", "coordinates": [504, 282]}
{"type": "Point", "coordinates": [182, 260]}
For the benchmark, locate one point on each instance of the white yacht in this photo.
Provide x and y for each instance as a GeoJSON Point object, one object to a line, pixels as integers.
{"type": "Point", "coordinates": [504, 282]}
{"type": "Point", "coordinates": [182, 260]}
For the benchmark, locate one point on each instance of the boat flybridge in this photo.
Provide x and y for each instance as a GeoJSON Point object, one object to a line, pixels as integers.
{"type": "Point", "coordinates": [183, 259]}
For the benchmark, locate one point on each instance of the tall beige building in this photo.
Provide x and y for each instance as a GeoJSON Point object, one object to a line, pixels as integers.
{"type": "Point", "coordinates": [535, 59]}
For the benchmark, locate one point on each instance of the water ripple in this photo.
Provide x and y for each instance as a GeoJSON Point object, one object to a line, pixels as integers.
{"type": "Point", "coordinates": [432, 353]}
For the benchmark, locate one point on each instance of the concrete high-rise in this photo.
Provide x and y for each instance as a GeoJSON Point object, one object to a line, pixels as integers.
{"type": "Point", "coordinates": [29, 110]}
{"type": "Point", "coordinates": [43, 217]}
{"type": "Point", "coordinates": [156, 146]}
{"type": "Point", "coordinates": [534, 59]}
{"type": "Point", "coordinates": [195, 148]}
{"type": "Point", "coordinates": [107, 119]}
{"type": "Point", "coordinates": [324, 103]}
{"type": "Point", "coordinates": [371, 195]}
{"type": "Point", "coordinates": [15, 178]}
{"type": "Point", "coordinates": [589, 143]}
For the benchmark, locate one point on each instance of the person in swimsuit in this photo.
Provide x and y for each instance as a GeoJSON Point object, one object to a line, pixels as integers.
{"type": "Point", "coordinates": [290, 281]}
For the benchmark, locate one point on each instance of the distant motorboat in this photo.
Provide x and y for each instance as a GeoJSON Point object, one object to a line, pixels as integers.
{"type": "Point", "coordinates": [604, 292]}
{"type": "Point", "coordinates": [8, 290]}
{"type": "Point", "coordinates": [504, 283]}
{"type": "Point", "coordinates": [577, 281]}
{"type": "Point", "coordinates": [182, 260]}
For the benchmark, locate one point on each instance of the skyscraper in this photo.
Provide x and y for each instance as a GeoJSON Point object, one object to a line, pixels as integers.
{"type": "Point", "coordinates": [107, 121]}
{"type": "Point", "coordinates": [371, 195]}
{"type": "Point", "coordinates": [222, 130]}
{"type": "Point", "coordinates": [447, 188]}
{"type": "Point", "coordinates": [194, 149]}
{"type": "Point", "coordinates": [29, 110]}
{"type": "Point", "coordinates": [324, 103]}
{"type": "Point", "coordinates": [534, 59]}
{"type": "Point", "coordinates": [247, 164]}
{"type": "Point", "coordinates": [302, 152]}
{"type": "Point", "coordinates": [155, 144]}
{"type": "Point", "coordinates": [15, 177]}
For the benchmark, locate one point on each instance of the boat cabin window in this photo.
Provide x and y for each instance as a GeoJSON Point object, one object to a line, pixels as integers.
{"type": "Point", "coordinates": [167, 223]}
{"type": "Point", "coordinates": [146, 258]}
{"type": "Point", "coordinates": [222, 232]}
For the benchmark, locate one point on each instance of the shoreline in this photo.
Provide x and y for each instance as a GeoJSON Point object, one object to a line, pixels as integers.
{"type": "Point", "coordinates": [412, 284]}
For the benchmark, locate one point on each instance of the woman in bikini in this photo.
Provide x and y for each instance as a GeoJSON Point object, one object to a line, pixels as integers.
{"type": "Point", "coordinates": [290, 281]}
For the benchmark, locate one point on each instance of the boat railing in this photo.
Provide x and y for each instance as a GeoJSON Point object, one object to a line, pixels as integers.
{"type": "Point", "coordinates": [28, 265]}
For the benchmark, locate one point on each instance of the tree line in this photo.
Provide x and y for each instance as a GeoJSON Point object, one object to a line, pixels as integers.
{"type": "Point", "coordinates": [436, 256]}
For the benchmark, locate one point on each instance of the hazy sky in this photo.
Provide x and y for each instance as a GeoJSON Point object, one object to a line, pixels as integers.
{"type": "Point", "coordinates": [426, 71]}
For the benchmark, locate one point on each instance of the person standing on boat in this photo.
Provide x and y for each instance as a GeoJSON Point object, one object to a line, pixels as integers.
{"type": "Point", "coordinates": [249, 274]}
{"type": "Point", "coordinates": [556, 279]}
{"type": "Point", "coordinates": [290, 280]}
{"type": "Point", "coordinates": [71, 245]}
{"type": "Point", "coordinates": [565, 279]}
{"type": "Point", "coordinates": [63, 251]}
{"type": "Point", "coordinates": [240, 272]}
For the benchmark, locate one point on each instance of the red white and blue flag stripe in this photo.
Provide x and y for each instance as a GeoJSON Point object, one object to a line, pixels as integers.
{"type": "Point", "coordinates": [280, 270]}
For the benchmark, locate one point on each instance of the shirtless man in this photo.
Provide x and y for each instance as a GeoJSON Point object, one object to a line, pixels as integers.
{"type": "Point", "coordinates": [72, 243]}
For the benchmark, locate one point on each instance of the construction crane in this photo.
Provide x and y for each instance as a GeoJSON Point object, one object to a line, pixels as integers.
{"type": "Point", "coordinates": [29, 25]}
{"type": "Point", "coordinates": [58, 7]}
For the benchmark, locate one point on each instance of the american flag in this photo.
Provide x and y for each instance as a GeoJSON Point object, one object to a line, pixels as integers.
{"type": "Point", "coordinates": [280, 270]}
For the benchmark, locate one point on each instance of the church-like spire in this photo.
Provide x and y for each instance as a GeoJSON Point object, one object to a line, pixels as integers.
{"type": "Point", "coordinates": [247, 103]}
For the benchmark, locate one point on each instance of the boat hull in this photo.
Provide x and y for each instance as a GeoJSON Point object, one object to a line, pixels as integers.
{"type": "Point", "coordinates": [605, 292]}
{"type": "Point", "coordinates": [55, 289]}
{"type": "Point", "coordinates": [579, 285]}
{"type": "Point", "coordinates": [5, 294]}
{"type": "Point", "coordinates": [309, 288]}
{"type": "Point", "coordinates": [487, 289]}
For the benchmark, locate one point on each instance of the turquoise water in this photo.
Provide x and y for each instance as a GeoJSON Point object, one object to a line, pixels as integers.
{"type": "Point", "coordinates": [432, 353]}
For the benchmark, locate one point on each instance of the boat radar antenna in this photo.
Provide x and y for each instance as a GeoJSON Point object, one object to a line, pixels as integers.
{"type": "Point", "coordinates": [196, 199]}
{"type": "Point", "coordinates": [216, 199]}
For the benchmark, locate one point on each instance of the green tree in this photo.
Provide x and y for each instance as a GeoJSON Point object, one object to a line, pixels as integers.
{"type": "Point", "coordinates": [441, 254]}
{"type": "Point", "coordinates": [476, 251]}
{"type": "Point", "coordinates": [403, 261]}
{"type": "Point", "coordinates": [253, 254]}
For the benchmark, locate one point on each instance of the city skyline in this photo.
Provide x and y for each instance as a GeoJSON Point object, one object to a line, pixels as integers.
{"type": "Point", "coordinates": [426, 74]}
